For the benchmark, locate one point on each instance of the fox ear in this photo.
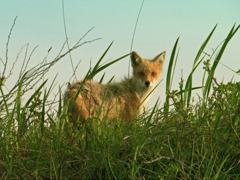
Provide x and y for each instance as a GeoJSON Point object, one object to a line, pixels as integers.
{"type": "Point", "coordinates": [136, 59]}
{"type": "Point", "coordinates": [160, 58]}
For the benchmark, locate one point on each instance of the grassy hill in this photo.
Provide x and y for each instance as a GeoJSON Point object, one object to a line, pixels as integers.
{"type": "Point", "coordinates": [178, 141]}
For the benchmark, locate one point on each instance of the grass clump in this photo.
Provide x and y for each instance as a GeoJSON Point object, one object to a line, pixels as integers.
{"type": "Point", "coordinates": [180, 141]}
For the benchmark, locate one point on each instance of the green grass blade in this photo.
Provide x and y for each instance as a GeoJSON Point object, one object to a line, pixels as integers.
{"type": "Point", "coordinates": [43, 112]}
{"type": "Point", "coordinates": [110, 80]}
{"type": "Point", "coordinates": [152, 113]}
{"type": "Point", "coordinates": [19, 95]}
{"type": "Point", "coordinates": [216, 123]}
{"type": "Point", "coordinates": [20, 120]}
{"type": "Point", "coordinates": [34, 94]}
{"type": "Point", "coordinates": [188, 86]}
{"type": "Point", "coordinates": [100, 68]}
{"type": "Point", "coordinates": [220, 168]}
{"type": "Point", "coordinates": [203, 46]}
{"type": "Point", "coordinates": [101, 80]}
{"type": "Point", "coordinates": [193, 88]}
{"type": "Point", "coordinates": [51, 86]}
{"type": "Point", "coordinates": [5, 102]}
{"type": "Point", "coordinates": [169, 77]}
{"type": "Point", "coordinates": [174, 67]}
{"type": "Point", "coordinates": [92, 74]}
{"type": "Point", "coordinates": [209, 169]}
{"type": "Point", "coordinates": [60, 103]}
{"type": "Point", "coordinates": [170, 66]}
{"type": "Point", "coordinates": [208, 60]}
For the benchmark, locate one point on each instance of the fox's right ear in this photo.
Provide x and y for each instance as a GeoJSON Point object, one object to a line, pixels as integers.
{"type": "Point", "coordinates": [136, 59]}
{"type": "Point", "coordinates": [160, 58]}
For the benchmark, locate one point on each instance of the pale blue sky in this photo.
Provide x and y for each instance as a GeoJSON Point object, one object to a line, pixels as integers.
{"type": "Point", "coordinates": [160, 24]}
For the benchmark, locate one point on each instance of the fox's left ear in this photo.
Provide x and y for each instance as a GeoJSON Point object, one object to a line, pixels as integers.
{"type": "Point", "coordinates": [136, 59]}
{"type": "Point", "coordinates": [160, 58]}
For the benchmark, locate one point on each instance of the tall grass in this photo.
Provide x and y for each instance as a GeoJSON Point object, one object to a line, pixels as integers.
{"type": "Point", "coordinates": [209, 80]}
{"type": "Point", "coordinates": [178, 141]}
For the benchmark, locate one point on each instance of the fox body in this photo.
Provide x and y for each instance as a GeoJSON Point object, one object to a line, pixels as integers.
{"type": "Point", "coordinates": [124, 100]}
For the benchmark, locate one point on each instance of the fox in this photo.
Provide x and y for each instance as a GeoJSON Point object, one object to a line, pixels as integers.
{"type": "Point", "coordinates": [122, 100]}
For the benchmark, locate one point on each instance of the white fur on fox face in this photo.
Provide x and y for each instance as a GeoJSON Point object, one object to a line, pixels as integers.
{"type": "Point", "coordinates": [153, 83]}
{"type": "Point", "coordinates": [143, 83]}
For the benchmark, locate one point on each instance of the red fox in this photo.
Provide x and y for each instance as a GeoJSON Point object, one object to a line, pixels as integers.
{"type": "Point", "coordinates": [124, 100]}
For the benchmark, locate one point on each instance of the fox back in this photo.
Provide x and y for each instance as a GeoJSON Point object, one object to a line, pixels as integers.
{"type": "Point", "coordinates": [118, 100]}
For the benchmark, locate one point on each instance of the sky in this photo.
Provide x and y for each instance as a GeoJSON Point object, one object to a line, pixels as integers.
{"type": "Point", "coordinates": [161, 22]}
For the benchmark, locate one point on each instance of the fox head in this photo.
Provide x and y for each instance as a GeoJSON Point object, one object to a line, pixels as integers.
{"type": "Point", "coordinates": [147, 72]}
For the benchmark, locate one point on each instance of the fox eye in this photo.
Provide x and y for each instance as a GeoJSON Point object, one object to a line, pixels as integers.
{"type": "Point", "coordinates": [153, 73]}
{"type": "Point", "coordinates": [141, 73]}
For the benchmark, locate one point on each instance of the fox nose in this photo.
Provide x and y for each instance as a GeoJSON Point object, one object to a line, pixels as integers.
{"type": "Point", "coordinates": [147, 83]}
